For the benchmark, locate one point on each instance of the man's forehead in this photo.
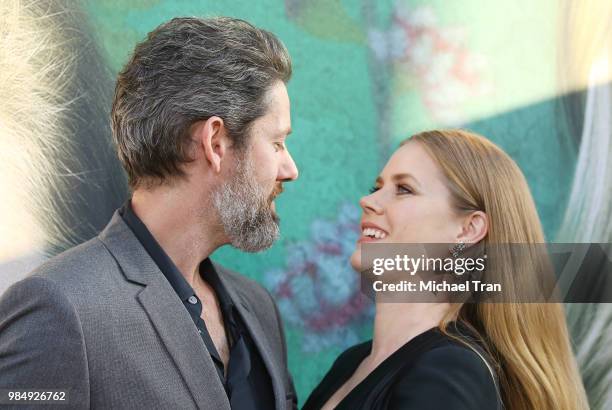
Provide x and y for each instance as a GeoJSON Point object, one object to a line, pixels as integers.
{"type": "Point", "coordinates": [276, 120]}
{"type": "Point", "coordinates": [277, 95]}
{"type": "Point", "coordinates": [272, 125]}
{"type": "Point", "coordinates": [286, 131]}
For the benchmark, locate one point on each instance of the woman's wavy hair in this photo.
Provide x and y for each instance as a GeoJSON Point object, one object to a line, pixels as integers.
{"type": "Point", "coordinates": [528, 342]}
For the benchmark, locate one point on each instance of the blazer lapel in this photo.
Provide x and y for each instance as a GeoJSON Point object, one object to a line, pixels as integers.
{"type": "Point", "coordinates": [259, 338]}
{"type": "Point", "coordinates": [169, 317]}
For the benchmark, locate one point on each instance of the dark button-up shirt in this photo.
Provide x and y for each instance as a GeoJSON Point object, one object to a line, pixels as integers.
{"type": "Point", "coordinates": [247, 383]}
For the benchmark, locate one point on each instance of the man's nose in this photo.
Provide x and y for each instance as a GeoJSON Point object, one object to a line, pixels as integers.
{"type": "Point", "coordinates": [288, 170]}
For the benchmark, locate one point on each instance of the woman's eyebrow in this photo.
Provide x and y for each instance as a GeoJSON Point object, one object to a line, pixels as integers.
{"type": "Point", "coordinates": [399, 177]}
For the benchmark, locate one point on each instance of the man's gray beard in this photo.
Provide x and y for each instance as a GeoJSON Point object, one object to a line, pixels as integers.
{"type": "Point", "coordinates": [244, 211]}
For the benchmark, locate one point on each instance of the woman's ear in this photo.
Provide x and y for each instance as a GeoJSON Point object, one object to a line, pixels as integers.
{"type": "Point", "coordinates": [475, 228]}
{"type": "Point", "coordinates": [210, 136]}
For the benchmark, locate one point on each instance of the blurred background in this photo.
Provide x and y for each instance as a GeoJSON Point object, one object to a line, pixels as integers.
{"type": "Point", "coordinates": [534, 77]}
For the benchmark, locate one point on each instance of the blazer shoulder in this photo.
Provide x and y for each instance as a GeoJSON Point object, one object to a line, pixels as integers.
{"type": "Point", "coordinates": [41, 340]}
{"type": "Point", "coordinates": [81, 269]}
{"type": "Point", "coordinates": [36, 290]}
{"type": "Point", "coordinates": [448, 376]}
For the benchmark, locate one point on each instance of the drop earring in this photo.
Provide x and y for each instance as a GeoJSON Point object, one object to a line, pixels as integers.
{"type": "Point", "coordinates": [457, 249]}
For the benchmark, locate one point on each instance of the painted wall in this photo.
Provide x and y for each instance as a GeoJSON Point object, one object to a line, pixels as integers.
{"type": "Point", "coordinates": [367, 74]}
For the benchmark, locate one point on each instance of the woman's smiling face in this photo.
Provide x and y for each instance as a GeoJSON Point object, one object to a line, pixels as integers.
{"type": "Point", "coordinates": [410, 203]}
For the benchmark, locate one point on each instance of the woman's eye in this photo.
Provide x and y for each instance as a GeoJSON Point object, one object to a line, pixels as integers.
{"type": "Point", "coordinates": [373, 189]}
{"type": "Point", "coordinates": [278, 146]}
{"type": "Point", "coordinates": [404, 189]}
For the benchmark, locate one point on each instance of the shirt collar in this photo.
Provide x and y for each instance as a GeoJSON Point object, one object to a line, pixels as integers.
{"type": "Point", "coordinates": [168, 268]}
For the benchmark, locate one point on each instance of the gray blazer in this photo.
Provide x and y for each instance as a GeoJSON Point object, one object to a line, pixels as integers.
{"type": "Point", "coordinates": [102, 321]}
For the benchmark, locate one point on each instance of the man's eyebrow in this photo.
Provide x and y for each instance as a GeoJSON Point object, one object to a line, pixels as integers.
{"type": "Point", "coordinates": [282, 134]}
{"type": "Point", "coordinates": [277, 134]}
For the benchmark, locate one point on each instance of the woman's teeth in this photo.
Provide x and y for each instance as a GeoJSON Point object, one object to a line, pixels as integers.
{"type": "Point", "coordinates": [374, 233]}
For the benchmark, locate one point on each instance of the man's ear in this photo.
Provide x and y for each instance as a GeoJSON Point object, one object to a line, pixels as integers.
{"type": "Point", "coordinates": [211, 136]}
{"type": "Point", "coordinates": [475, 228]}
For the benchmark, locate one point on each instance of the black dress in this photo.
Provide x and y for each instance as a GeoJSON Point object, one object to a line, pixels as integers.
{"type": "Point", "coordinates": [430, 372]}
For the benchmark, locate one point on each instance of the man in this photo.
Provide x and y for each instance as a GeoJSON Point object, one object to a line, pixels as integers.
{"type": "Point", "coordinates": [139, 317]}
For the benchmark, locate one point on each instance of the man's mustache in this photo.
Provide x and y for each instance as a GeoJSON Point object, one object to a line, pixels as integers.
{"type": "Point", "coordinates": [278, 189]}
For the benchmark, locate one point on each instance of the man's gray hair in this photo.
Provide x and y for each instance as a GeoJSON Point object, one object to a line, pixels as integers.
{"type": "Point", "coordinates": [187, 70]}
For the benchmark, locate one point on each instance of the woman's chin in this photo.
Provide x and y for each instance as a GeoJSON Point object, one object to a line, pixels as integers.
{"type": "Point", "coordinates": [356, 259]}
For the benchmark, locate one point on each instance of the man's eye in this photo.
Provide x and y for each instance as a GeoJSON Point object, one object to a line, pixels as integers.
{"type": "Point", "coordinates": [278, 146]}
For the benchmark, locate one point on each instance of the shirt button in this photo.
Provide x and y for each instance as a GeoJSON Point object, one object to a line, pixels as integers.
{"type": "Point", "coordinates": [193, 300]}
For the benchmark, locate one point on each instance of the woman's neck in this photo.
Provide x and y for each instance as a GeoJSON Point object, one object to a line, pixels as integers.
{"type": "Point", "coordinates": [395, 324]}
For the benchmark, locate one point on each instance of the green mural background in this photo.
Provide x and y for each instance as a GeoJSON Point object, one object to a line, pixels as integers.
{"type": "Point", "coordinates": [350, 106]}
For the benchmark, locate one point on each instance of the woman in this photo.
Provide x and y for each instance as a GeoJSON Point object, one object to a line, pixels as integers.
{"type": "Point", "coordinates": [455, 187]}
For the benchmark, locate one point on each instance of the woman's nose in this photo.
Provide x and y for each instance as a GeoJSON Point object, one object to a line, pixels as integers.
{"type": "Point", "coordinates": [369, 203]}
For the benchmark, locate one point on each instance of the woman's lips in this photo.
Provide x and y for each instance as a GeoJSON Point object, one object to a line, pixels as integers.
{"type": "Point", "coordinates": [371, 233]}
{"type": "Point", "coordinates": [364, 239]}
